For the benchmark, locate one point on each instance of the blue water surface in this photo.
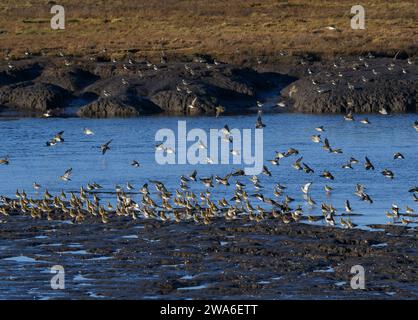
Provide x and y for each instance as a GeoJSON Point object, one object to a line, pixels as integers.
{"type": "Point", "coordinates": [32, 161]}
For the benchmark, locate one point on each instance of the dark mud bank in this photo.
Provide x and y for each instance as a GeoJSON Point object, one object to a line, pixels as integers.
{"type": "Point", "coordinates": [239, 259]}
{"type": "Point", "coordinates": [103, 89]}
{"type": "Point", "coordinates": [360, 85]}
{"type": "Point", "coordinates": [131, 88]}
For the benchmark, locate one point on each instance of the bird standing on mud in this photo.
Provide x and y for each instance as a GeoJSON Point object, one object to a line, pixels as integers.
{"type": "Point", "coordinates": [193, 104]}
{"type": "Point", "coordinates": [219, 111]}
{"type": "Point", "coordinates": [281, 104]}
{"type": "Point", "coordinates": [47, 114]}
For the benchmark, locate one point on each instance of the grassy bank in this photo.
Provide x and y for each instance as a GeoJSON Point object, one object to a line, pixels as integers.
{"type": "Point", "coordinates": [232, 30]}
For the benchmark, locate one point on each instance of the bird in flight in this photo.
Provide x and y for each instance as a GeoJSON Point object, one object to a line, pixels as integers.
{"type": "Point", "coordinates": [67, 174]}
{"type": "Point", "coordinates": [5, 160]}
{"type": "Point", "coordinates": [135, 163]}
{"type": "Point", "coordinates": [105, 147]}
{"type": "Point", "coordinates": [57, 138]}
{"type": "Point", "coordinates": [368, 164]}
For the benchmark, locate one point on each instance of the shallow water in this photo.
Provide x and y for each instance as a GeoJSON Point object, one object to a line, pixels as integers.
{"type": "Point", "coordinates": [30, 160]}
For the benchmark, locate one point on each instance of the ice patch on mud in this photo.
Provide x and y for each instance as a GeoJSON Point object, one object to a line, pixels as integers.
{"type": "Point", "coordinates": [200, 287]}
{"type": "Point", "coordinates": [327, 270]}
{"type": "Point", "coordinates": [133, 236]}
{"type": "Point", "coordinates": [100, 258]}
{"type": "Point", "coordinates": [75, 245]}
{"type": "Point", "coordinates": [76, 252]}
{"type": "Point", "coordinates": [379, 245]}
{"type": "Point", "coordinates": [22, 259]}
{"type": "Point", "coordinates": [151, 240]}
{"type": "Point", "coordinates": [94, 295]}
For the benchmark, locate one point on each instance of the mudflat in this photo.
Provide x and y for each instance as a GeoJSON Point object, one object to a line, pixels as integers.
{"type": "Point", "coordinates": [237, 259]}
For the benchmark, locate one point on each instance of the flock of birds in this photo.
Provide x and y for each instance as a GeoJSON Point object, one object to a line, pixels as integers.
{"type": "Point", "coordinates": [184, 205]}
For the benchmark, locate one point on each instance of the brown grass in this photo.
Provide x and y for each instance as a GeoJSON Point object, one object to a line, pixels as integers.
{"type": "Point", "coordinates": [227, 29]}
